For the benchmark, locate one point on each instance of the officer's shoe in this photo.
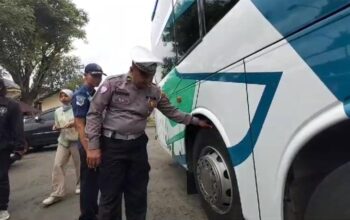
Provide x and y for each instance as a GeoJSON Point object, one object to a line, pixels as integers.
{"type": "Point", "coordinates": [51, 200]}
{"type": "Point", "coordinates": [4, 215]}
{"type": "Point", "coordinates": [14, 157]}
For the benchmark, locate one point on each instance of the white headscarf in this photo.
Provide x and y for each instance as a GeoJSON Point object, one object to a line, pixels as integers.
{"type": "Point", "coordinates": [69, 93]}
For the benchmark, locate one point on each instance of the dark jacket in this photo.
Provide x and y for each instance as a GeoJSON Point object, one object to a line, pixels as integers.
{"type": "Point", "coordinates": [11, 125]}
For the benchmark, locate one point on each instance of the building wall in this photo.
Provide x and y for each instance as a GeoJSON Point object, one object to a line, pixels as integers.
{"type": "Point", "coordinates": [50, 102]}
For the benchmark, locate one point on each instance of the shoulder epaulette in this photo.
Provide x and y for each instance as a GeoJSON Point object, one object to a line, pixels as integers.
{"type": "Point", "coordinates": [113, 77]}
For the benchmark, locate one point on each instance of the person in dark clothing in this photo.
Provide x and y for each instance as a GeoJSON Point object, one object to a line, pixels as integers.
{"type": "Point", "coordinates": [11, 139]}
{"type": "Point", "coordinates": [88, 176]}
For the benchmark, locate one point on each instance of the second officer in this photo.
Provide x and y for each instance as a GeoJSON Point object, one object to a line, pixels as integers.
{"type": "Point", "coordinates": [88, 177]}
{"type": "Point", "coordinates": [118, 140]}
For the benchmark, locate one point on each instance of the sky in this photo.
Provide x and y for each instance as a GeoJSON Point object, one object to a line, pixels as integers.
{"type": "Point", "coordinates": [115, 26]}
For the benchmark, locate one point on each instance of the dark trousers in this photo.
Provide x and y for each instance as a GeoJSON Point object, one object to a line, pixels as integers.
{"type": "Point", "coordinates": [124, 170]}
{"type": "Point", "coordinates": [88, 189]}
{"type": "Point", "coordinates": [4, 179]}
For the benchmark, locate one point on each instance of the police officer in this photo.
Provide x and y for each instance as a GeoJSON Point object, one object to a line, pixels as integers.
{"type": "Point", "coordinates": [88, 177]}
{"type": "Point", "coordinates": [118, 140]}
{"type": "Point", "coordinates": [11, 138]}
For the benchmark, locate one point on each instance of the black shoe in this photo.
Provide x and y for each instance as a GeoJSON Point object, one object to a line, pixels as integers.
{"type": "Point", "coordinates": [14, 157]}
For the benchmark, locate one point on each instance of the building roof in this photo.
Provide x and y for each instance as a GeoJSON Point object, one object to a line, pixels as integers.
{"type": "Point", "coordinates": [46, 95]}
{"type": "Point", "coordinates": [27, 109]}
{"type": "Point", "coordinates": [14, 91]}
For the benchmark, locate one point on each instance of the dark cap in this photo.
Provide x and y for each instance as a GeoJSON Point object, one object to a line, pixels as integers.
{"type": "Point", "coordinates": [93, 68]}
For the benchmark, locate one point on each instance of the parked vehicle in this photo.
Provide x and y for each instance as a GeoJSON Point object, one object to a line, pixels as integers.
{"type": "Point", "coordinates": [38, 130]}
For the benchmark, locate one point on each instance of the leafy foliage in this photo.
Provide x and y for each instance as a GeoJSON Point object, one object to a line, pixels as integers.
{"type": "Point", "coordinates": [35, 37]}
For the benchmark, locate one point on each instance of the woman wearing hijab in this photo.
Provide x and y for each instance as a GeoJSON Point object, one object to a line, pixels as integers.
{"type": "Point", "coordinates": [67, 146]}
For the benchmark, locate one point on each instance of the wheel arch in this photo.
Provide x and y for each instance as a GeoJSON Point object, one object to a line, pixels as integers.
{"type": "Point", "coordinates": [309, 132]}
{"type": "Point", "coordinates": [191, 132]}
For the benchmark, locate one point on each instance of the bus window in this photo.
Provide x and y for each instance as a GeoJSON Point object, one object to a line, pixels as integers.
{"type": "Point", "coordinates": [168, 48]}
{"type": "Point", "coordinates": [215, 10]}
{"type": "Point", "coordinates": [187, 31]}
{"type": "Point", "coordinates": [164, 35]}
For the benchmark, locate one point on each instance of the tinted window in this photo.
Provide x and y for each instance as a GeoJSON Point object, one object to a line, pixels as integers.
{"type": "Point", "coordinates": [215, 10]}
{"type": "Point", "coordinates": [48, 115]}
{"type": "Point", "coordinates": [29, 120]}
{"type": "Point", "coordinates": [187, 30]}
{"type": "Point", "coordinates": [167, 49]}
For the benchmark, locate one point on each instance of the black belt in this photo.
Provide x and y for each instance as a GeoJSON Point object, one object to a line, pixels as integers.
{"type": "Point", "coordinates": [116, 135]}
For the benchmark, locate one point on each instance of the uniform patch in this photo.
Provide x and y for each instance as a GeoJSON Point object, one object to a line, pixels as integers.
{"type": "Point", "coordinates": [3, 111]}
{"type": "Point", "coordinates": [103, 89]}
{"type": "Point", "coordinates": [80, 100]}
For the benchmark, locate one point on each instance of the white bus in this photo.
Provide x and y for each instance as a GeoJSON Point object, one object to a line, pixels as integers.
{"type": "Point", "coordinates": [273, 77]}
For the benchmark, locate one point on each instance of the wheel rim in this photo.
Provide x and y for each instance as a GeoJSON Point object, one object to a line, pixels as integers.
{"type": "Point", "coordinates": [214, 180]}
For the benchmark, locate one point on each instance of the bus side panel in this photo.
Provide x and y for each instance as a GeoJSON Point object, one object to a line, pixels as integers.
{"type": "Point", "coordinates": [242, 31]}
{"type": "Point", "coordinates": [184, 100]}
{"type": "Point", "coordinates": [161, 120]}
{"type": "Point", "coordinates": [224, 95]}
{"type": "Point", "coordinates": [161, 128]}
{"type": "Point", "coordinates": [314, 74]}
{"type": "Point", "coordinates": [182, 94]}
{"type": "Point", "coordinates": [290, 15]}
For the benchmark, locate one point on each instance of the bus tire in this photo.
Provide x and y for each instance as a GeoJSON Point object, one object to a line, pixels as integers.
{"type": "Point", "coordinates": [330, 199]}
{"type": "Point", "coordinates": [215, 178]}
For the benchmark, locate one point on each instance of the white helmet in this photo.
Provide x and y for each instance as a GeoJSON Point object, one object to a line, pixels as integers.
{"type": "Point", "coordinates": [144, 59]}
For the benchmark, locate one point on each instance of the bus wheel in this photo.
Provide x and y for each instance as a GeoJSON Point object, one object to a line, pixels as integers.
{"type": "Point", "coordinates": [331, 199]}
{"type": "Point", "coordinates": [215, 178]}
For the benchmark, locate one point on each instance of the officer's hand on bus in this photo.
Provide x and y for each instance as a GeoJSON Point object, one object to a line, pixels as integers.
{"type": "Point", "coordinates": [204, 124]}
{"type": "Point", "coordinates": [93, 158]}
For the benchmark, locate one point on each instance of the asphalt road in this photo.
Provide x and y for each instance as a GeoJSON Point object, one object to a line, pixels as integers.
{"type": "Point", "coordinates": [31, 183]}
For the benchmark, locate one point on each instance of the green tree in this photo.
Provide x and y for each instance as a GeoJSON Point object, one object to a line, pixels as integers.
{"type": "Point", "coordinates": [35, 37]}
{"type": "Point", "coordinates": [65, 74]}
